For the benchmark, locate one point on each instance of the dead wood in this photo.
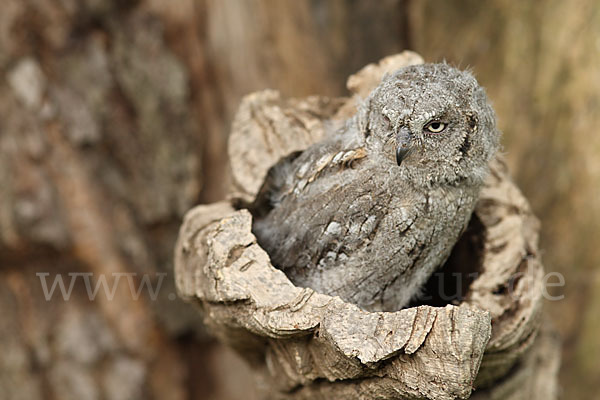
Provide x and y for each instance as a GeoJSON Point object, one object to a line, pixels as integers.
{"type": "Point", "coordinates": [304, 344]}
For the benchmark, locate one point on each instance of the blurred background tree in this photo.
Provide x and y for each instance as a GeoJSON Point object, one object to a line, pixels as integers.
{"type": "Point", "coordinates": [114, 118]}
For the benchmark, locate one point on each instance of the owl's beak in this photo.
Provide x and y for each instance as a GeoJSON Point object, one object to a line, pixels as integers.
{"type": "Point", "coordinates": [404, 140]}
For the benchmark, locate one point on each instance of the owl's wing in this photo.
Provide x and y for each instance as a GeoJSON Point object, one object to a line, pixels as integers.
{"type": "Point", "coordinates": [325, 206]}
{"type": "Point", "coordinates": [293, 173]}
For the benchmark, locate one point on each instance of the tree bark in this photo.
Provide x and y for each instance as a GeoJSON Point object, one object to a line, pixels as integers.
{"type": "Point", "coordinates": [86, 183]}
{"type": "Point", "coordinates": [92, 188]}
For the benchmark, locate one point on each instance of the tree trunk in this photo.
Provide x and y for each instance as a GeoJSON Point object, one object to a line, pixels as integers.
{"type": "Point", "coordinates": [114, 121]}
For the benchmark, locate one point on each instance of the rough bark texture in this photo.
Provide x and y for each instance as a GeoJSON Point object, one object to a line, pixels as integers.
{"type": "Point", "coordinates": [307, 345]}
{"type": "Point", "coordinates": [90, 184]}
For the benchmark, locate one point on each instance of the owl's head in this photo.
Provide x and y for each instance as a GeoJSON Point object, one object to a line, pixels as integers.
{"type": "Point", "coordinates": [432, 122]}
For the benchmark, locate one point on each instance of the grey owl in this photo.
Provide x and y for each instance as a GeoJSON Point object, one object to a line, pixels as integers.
{"type": "Point", "coordinates": [372, 210]}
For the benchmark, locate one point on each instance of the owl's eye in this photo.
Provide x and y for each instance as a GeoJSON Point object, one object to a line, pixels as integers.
{"type": "Point", "coordinates": [435, 126]}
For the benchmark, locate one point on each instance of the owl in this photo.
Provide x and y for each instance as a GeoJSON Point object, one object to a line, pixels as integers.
{"type": "Point", "coordinates": [370, 212]}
